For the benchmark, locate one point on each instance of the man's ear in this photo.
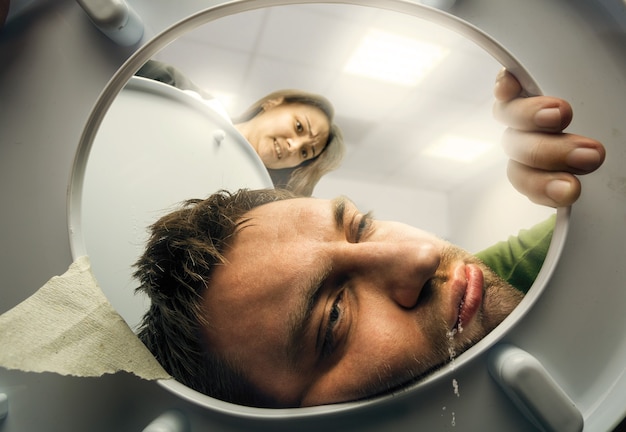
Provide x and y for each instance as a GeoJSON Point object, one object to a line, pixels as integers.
{"type": "Point", "coordinates": [271, 103]}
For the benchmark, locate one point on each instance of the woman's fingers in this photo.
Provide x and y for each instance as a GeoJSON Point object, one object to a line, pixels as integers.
{"type": "Point", "coordinates": [537, 113]}
{"type": "Point", "coordinates": [507, 87]}
{"type": "Point", "coordinates": [569, 153]}
{"type": "Point", "coordinates": [544, 161]}
{"type": "Point", "coordinates": [553, 189]}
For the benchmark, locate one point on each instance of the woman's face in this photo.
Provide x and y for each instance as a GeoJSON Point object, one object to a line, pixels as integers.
{"type": "Point", "coordinates": [285, 135]}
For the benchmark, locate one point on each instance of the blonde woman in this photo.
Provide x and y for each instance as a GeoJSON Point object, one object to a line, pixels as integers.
{"type": "Point", "coordinates": [292, 131]}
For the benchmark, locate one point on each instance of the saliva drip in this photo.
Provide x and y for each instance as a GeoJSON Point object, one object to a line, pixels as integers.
{"type": "Point", "coordinates": [452, 353]}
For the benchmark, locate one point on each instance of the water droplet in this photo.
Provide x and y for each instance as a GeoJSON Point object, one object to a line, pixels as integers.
{"type": "Point", "coordinates": [451, 349]}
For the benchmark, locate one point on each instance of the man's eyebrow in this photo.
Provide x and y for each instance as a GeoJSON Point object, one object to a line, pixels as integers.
{"type": "Point", "coordinates": [339, 209]}
{"type": "Point", "coordinates": [300, 320]}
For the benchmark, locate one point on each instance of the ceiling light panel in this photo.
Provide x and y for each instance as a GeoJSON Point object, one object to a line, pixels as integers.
{"type": "Point", "coordinates": [393, 58]}
{"type": "Point", "coordinates": [458, 148]}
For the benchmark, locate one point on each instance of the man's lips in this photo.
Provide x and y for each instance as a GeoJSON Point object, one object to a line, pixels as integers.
{"type": "Point", "coordinates": [467, 287]}
{"type": "Point", "coordinates": [474, 294]}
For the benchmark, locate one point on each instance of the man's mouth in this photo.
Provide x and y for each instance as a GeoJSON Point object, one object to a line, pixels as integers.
{"type": "Point", "coordinates": [279, 152]}
{"type": "Point", "coordinates": [471, 296]}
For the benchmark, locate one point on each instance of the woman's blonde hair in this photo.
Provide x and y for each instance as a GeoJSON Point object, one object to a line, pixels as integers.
{"type": "Point", "coordinates": [302, 179]}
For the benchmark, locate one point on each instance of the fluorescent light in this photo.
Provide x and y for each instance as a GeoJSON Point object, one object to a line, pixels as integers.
{"type": "Point", "coordinates": [458, 148]}
{"type": "Point", "coordinates": [394, 58]}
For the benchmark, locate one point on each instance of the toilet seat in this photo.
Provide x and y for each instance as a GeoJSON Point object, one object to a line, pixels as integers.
{"type": "Point", "coordinates": [156, 147]}
{"type": "Point", "coordinates": [471, 365]}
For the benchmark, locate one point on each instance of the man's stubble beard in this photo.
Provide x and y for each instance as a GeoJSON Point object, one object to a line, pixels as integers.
{"type": "Point", "coordinates": [499, 300]}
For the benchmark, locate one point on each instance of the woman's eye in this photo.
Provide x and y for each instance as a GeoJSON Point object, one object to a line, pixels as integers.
{"type": "Point", "coordinates": [305, 154]}
{"type": "Point", "coordinates": [299, 127]}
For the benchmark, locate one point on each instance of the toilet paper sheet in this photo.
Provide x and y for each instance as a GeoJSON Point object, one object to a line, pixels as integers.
{"type": "Point", "coordinates": [69, 327]}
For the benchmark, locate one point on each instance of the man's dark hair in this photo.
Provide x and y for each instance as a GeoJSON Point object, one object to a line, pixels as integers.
{"type": "Point", "coordinates": [175, 270]}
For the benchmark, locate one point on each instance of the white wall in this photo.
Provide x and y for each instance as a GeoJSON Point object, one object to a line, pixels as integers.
{"type": "Point", "coordinates": [420, 208]}
{"type": "Point", "coordinates": [483, 211]}
{"type": "Point", "coordinates": [488, 209]}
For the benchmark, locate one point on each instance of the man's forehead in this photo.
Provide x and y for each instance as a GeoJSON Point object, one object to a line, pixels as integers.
{"type": "Point", "coordinates": [284, 219]}
{"type": "Point", "coordinates": [283, 235]}
{"type": "Point", "coordinates": [258, 272]}
{"type": "Point", "coordinates": [299, 204]}
{"type": "Point", "coordinates": [265, 213]}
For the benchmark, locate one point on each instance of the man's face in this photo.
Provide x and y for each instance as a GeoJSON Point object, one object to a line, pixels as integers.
{"type": "Point", "coordinates": [318, 303]}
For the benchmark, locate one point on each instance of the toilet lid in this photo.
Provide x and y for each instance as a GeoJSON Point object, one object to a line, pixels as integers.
{"type": "Point", "coordinates": [156, 146]}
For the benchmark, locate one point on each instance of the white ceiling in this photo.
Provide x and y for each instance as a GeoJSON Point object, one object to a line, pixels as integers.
{"type": "Point", "coordinates": [385, 125]}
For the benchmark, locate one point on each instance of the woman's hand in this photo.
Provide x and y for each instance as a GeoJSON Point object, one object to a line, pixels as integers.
{"type": "Point", "coordinates": [544, 161]}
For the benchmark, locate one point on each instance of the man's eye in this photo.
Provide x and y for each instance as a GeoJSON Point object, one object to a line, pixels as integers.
{"type": "Point", "coordinates": [335, 313]}
{"type": "Point", "coordinates": [334, 317]}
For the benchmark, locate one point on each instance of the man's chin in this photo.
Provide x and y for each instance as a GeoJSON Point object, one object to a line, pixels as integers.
{"type": "Point", "coordinates": [500, 300]}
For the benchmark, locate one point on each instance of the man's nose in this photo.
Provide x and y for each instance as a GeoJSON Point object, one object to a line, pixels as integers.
{"type": "Point", "coordinates": [398, 270]}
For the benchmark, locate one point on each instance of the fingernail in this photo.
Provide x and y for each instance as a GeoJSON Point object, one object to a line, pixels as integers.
{"type": "Point", "coordinates": [548, 117]}
{"type": "Point", "coordinates": [559, 190]}
{"type": "Point", "coordinates": [584, 159]}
